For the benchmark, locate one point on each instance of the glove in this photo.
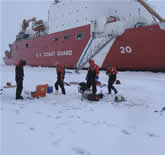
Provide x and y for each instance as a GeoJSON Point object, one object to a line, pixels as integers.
{"type": "Point", "coordinates": [96, 78]}
{"type": "Point", "coordinates": [86, 78]}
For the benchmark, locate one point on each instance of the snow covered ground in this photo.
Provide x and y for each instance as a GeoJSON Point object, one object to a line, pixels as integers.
{"type": "Point", "coordinates": [65, 125]}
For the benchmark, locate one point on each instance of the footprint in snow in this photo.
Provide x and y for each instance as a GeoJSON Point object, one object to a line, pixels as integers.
{"type": "Point", "coordinates": [74, 116]}
{"type": "Point", "coordinates": [81, 151]}
{"type": "Point", "coordinates": [60, 112]}
{"type": "Point", "coordinates": [85, 122]}
{"type": "Point", "coordinates": [58, 117]}
{"type": "Point", "coordinates": [57, 142]}
{"type": "Point", "coordinates": [153, 135]}
{"type": "Point", "coordinates": [109, 124]}
{"type": "Point", "coordinates": [51, 133]}
{"type": "Point", "coordinates": [32, 129]}
{"type": "Point", "coordinates": [125, 132]}
{"type": "Point", "coordinates": [38, 112]}
{"type": "Point", "coordinates": [20, 123]}
{"type": "Point", "coordinates": [49, 116]}
{"type": "Point", "coordinates": [17, 111]}
{"type": "Point", "coordinates": [21, 107]}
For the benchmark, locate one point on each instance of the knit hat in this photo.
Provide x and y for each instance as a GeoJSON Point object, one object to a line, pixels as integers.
{"type": "Point", "coordinates": [23, 62]}
{"type": "Point", "coordinates": [91, 61]}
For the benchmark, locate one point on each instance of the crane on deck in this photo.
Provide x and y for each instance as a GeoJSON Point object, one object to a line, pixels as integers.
{"type": "Point", "coordinates": [151, 10]}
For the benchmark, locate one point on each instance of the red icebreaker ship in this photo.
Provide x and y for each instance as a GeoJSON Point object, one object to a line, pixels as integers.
{"type": "Point", "coordinates": [128, 35]}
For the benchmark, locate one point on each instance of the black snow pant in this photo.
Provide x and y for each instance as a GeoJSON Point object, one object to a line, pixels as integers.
{"type": "Point", "coordinates": [19, 88]}
{"type": "Point", "coordinates": [110, 84]}
{"type": "Point", "coordinates": [61, 84]}
{"type": "Point", "coordinates": [93, 84]}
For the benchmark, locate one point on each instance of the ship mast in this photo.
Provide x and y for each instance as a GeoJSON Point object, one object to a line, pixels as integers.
{"type": "Point", "coordinates": [150, 10]}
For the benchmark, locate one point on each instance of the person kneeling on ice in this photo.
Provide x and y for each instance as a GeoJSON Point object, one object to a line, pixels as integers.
{"type": "Point", "coordinates": [60, 78]}
{"type": "Point", "coordinates": [92, 76]}
{"type": "Point", "coordinates": [19, 75]}
{"type": "Point", "coordinates": [112, 73]}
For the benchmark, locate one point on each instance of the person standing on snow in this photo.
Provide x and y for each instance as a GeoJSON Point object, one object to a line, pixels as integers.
{"type": "Point", "coordinates": [112, 73]}
{"type": "Point", "coordinates": [92, 76]}
{"type": "Point", "coordinates": [60, 78]}
{"type": "Point", "coordinates": [19, 75]}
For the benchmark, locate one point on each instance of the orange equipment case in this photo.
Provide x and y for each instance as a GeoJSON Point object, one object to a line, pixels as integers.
{"type": "Point", "coordinates": [40, 91]}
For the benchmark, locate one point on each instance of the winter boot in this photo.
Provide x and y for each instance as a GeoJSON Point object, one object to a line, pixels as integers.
{"type": "Point", "coordinates": [19, 98]}
{"type": "Point", "coordinates": [56, 92]}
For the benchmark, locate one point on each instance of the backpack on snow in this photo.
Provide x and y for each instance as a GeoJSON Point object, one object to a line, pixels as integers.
{"type": "Point", "coordinates": [87, 93]}
{"type": "Point", "coordinates": [82, 87]}
{"type": "Point", "coordinates": [96, 97]}
{"type": "Point", "coordinates": [119, 98]}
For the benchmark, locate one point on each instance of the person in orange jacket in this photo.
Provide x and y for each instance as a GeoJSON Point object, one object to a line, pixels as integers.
{"type": "Point", "coordinates": [92, 76]}
{"type": "Point", "coordinates": [60, 78]}
{"type": "Point", "coordinates": [19, 75]}
{"type": "Point", "coordinates": [112, 73]}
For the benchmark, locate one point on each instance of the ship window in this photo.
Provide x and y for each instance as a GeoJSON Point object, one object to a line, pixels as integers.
{"type": "Point", "coordinates": [26, 45]}
{"type": "Point", "coordinates": [80, 36]}
{"type": "Point", "coordinates": [55, 39]}
{"type": "Point", "coordinates": [66, 37]}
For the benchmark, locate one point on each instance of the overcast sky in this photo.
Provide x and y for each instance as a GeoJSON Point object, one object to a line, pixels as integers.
{"type": "Point", "coordinates": [13, 12]}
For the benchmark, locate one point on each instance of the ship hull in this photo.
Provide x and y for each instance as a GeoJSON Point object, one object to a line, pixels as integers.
{"type": "Point", "coordinates": [140, 48]}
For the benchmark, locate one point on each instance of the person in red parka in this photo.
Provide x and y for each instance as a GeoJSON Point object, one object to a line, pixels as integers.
{"type": "Point", "coordinates": [112, 73]}
{"type": "Point", "coordinates": [92, 76]}
{"type": "Point", "coordinates": [60, 78]}
{"type": "Point", "coordinates": [19, 75]}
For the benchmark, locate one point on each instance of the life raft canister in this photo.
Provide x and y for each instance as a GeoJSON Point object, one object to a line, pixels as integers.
{"type": "Point", "coordinates": [38, 26]}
